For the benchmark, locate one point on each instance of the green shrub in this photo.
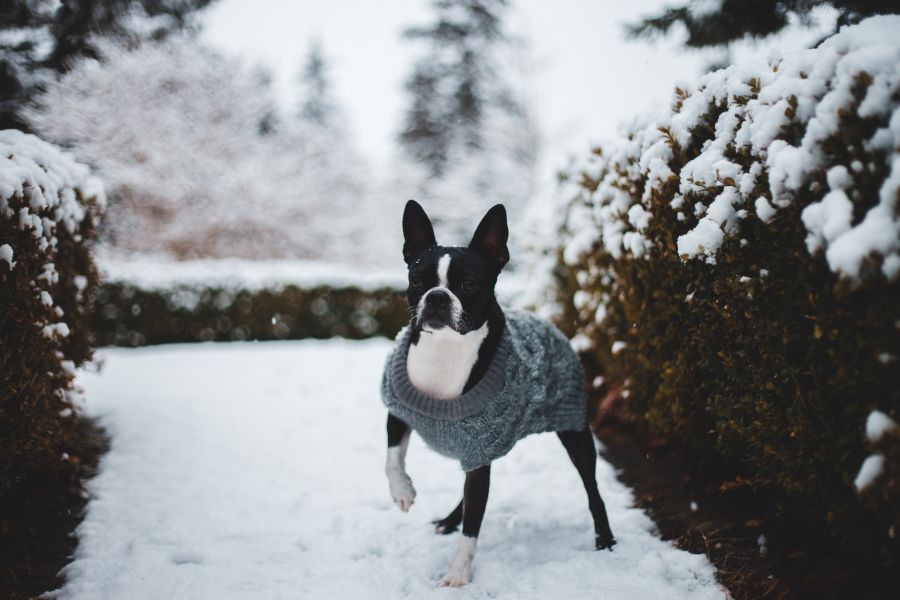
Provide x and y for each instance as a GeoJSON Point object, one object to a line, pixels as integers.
{"type": "Point", "coordinates": [128, 315]}
{"type": "Point", "coordinates": [879, 477]}
{"type": "Point", "coordinates": [733, 265]}
{"type": "Point", "coordinates": [49, 209]}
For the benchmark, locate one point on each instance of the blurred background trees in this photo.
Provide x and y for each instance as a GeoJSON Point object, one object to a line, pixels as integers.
{"type": "Point", "coordinates": [468, 125]}
{"type": "Point", "coordinates": [39, 40]}
{"type": "Point", "coordinates": [318, 107]}
{"type": "Point", "coordinates": [195, 163]}
{"type": "Point", "coordinates": [201, 161]}
{"type": "Point", "coordinates": [204, 158]}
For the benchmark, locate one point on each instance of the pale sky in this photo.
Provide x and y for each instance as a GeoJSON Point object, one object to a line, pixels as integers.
{"type": "Point", "coordinates": [587, 80]}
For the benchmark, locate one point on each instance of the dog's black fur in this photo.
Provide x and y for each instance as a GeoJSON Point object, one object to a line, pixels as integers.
{"type": "Point", "coordinates": [471, 278]}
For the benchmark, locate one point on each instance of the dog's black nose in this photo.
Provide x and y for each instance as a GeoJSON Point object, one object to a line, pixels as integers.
{"type": "Point", "coordinates": [437, 299]}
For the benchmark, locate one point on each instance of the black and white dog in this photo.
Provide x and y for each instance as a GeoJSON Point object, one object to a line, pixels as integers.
{"type": "Point", "coordinates": [456, 327]}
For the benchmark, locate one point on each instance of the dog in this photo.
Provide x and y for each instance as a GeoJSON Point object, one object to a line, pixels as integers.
{"type": "Point", "coordinates": [472, 379]}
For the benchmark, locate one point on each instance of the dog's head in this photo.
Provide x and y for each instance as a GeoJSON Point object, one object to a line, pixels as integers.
{"type": "Point", "coordinates": [452, 286]}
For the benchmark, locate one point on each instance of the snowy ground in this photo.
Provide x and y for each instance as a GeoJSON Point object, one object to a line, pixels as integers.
{"type": "Point", "coordinates": [255, 470]}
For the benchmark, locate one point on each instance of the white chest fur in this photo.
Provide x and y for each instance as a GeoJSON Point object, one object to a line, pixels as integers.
{"type": "Point", "coordinates": [440, 364]}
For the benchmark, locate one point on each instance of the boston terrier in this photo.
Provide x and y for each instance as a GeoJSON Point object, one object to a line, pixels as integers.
{"type": "Point", "coordinates": [471, 379]}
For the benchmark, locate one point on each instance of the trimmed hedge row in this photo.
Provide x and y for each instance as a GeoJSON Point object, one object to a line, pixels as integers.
{"type": "Point", "coordinates": [694, 271]}
{"type": "Point", "coordinates": [47, 222]}
{"type": "Point", "coordinates": [127, 315]}
{"type": "Point", "coordinates": [49, 211]}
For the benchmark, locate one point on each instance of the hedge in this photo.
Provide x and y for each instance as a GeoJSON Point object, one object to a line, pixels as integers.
{"type": "Point", "coordinates": [49, 210]}
{"type": "Point", "coordinates": [129, 315]}
{"type": "Point", "coordinates": [732, 266]}
{"type": "Point", "coordinates": [146, 299]}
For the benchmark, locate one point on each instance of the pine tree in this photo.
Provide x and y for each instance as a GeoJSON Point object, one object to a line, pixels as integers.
{"type": "Point", "coordinates": [454, 83]}
{"type": "Point", "coordinates": [468, 128]}
{"type": "Point", "coordinates": [720, 22]}
{"type": "Point", "coordinates": [425, 137]}
{"type": "Point", "coordinates": [39, 40]}
{"type": "Point", "coordinates": [323, 147]}
{"type": "Point", "coordinates": [317, 105]}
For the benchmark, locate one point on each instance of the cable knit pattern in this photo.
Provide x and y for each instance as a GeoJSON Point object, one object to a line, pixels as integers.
{"type": "Point", "coordinates": [534, 384]}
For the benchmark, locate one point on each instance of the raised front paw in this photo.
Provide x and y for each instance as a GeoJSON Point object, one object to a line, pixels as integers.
{"type": "Point", "coordinates": [402, 490]}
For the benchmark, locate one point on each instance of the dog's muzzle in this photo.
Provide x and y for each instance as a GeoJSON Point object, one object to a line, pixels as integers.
{"type": "Point", "coordinates": [436, 312]}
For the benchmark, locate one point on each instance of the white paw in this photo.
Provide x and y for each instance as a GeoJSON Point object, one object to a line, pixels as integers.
{"type": "Point", "coordinates": [402, 490]}
{"type": "Point", "coordinates": [461, 566]}
{"type": "Point", "coordinates": [456, 577]}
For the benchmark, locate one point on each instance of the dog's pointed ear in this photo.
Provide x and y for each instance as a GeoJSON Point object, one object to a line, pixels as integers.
{"type": "Point", "coordinates": [418, 234]}
{"type": "Point", "coordinates": [490, 238]}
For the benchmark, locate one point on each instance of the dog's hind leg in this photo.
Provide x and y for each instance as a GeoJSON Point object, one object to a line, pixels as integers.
{"type": "Point", "coordinates": [475, 495]}
{"type": "Point", "coordinates": [451, 522]}
{"type": "Point", "coordinates": [580, 446]}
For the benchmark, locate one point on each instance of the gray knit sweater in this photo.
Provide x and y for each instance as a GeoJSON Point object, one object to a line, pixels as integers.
{"type": "Point", "coordinates": [533, 384]}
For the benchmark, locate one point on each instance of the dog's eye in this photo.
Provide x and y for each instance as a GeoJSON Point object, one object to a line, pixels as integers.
{"type": "Point", "coordinates": [415, 282]}
{"type": "Point", "coordinates": [469, 285]}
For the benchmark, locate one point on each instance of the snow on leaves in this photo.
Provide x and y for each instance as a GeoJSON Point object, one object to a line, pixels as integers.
{"type": "Point", "coordinates": [43, 189]}
{"type": "Point", "coordinates": [763, 129]}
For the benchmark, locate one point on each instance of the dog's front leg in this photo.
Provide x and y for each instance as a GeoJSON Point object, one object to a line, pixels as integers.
{"type": "Point", "coordinates": [402, 490]}
{"type": "Point", "coordinates": [475, 495]}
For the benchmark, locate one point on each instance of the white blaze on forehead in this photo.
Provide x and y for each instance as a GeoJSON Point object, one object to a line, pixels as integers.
{"type": "Point", "coordinates": [443, 284]}
{"type": "Point", "coordinates": [442, 267]}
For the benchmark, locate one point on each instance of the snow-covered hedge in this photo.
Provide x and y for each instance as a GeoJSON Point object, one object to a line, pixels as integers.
{"type": "Point", "coordinates": [49, 209]}
{"type": "Point", "coordinates": [155, 300]}
{"type": "Point", "coordinates": [734, 266]}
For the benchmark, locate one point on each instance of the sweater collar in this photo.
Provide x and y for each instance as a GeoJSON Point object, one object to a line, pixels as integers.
{"type": "Point", "coordinates": [470, 403]}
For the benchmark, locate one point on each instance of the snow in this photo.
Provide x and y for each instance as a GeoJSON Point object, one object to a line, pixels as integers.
{"type": "Point", "coordinates": [44, 191]}
{"type": "Point", "coordinates": [879, 232]}
{"type": "Point", "coordinates": [6, 253]}
{"type": "Point", "coordinates": [55, 330]}
{"type": "Point", "coordinates": [50, 178]}
{"type": "Point", "coordinates": [807, 90]}
{"type": "Point", "coordinates": [257, 471]}
{"type": "Point", "coordinates": [878, 424]}
{"type": "Point", "coordinates": [705, 238]}
{"type": "Point", "coordinates": [581, 343]}
{"type": "Point", "coordinates": [827, 220]}
{"type": "Point", "coordinates": [160, 273]}
{"type": "Point", "coordinates": [871, 468]}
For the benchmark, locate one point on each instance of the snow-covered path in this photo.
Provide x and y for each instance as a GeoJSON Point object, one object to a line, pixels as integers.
{"type": "Point", "coordinates": [256, 471]}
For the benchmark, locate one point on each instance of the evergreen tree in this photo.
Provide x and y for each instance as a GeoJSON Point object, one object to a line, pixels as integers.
{"type": "Point", "coordinates": [425, 137]}
{"type": "Point", "coordinates": [720, 22]}
{"type": "Point", "coordinates": [468, 128]}
{"type": "Point", "coordinates": [39, 40]}
{"type": "Point", "coordinates": [455, 82]}
{"type": "Point", "coordinates": [317, 106]}
{"type": "Point", "coordinates": [323, 146]}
